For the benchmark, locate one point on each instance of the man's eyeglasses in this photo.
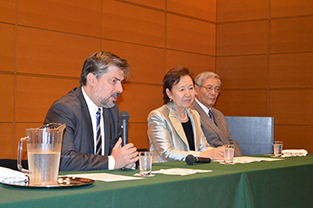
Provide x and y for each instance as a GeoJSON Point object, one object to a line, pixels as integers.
{"type": "Point", "coordinates": [211, 88]}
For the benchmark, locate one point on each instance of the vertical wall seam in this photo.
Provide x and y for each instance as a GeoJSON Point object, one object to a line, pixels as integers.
{"type": "Point", "coordinates": [15, 75]}
{"type": "Point", "coordinates": [165, 35]}
{"type": "Point", "coordinates": [101, 27]}
{"type": "Point", "coordinates": [268, 58]}
{"type": "Point", "coordinates": [215, 55]}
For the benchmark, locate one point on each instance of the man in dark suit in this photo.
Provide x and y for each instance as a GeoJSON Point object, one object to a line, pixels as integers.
{"type": "Point", "coordinates": [213, 123]}
{"type": "Point", "coordinates": [92, 135]}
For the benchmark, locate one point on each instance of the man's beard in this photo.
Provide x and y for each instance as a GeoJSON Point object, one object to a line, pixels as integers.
{"type": "Point", "coordinates": [106, 102]}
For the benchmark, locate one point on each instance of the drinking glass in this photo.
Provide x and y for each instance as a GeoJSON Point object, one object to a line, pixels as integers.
{"type": "Point", "coordinates": [229, 151]}
{"type": "Point", "coordinates": [278, 148]}
{"type": "Point", "coordinates": [145, 163]}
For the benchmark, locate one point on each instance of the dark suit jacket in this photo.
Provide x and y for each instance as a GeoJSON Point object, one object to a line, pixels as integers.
{"type": "Point", "coordinates": [216, 136]}
{"type": "Point", "coordinates": [78, 141]}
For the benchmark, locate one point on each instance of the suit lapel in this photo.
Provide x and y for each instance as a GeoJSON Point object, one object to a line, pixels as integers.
{"type": "Point", "coordinates": [222, 136]}
{"type": "Point", "coordinates": [86, 116]}
{"type": "Point", "coordinates": [107, 133]}
{"type": "Point", "coordinates": [206, 120]}
{"type": "Point", "coordinates": [177, 124]}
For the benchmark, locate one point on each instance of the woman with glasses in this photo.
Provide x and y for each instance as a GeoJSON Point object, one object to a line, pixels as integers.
{"type": "Point", "coordinates": [174, 129]}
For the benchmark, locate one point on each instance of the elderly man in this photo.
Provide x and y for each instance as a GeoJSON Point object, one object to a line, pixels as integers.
{"type": "Point", "coordinates": [92, 126]}
{"type": "Point", "coordinates": [213, 123]}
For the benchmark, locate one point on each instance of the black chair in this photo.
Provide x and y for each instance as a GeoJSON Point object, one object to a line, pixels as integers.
{"type": "Point", "coordinates": [12, 164]}
{"type": "Point", "coordinates": [142, 150]}
{"type": "Point", "coordinates": [255, 135]}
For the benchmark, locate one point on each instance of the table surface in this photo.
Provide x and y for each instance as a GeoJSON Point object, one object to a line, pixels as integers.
{"type": "Point", "coordinates": [285, 183]}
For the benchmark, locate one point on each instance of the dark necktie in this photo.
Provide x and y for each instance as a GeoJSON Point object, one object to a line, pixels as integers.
{"type": "Point", "coordinates": [99, 141]}
{"type": "Point", "coordinates": [212, 116]}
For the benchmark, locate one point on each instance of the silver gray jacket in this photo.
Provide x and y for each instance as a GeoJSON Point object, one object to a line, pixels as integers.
{"type": "Point", "coordinates": [167, 138]}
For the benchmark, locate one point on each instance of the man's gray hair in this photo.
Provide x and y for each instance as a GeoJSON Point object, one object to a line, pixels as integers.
{"type": "Point", "coordinates": [206, 75]}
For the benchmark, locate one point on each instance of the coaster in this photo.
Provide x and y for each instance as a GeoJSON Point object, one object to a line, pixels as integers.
{"type": "Point", "coordinates": [223, 163]}
{"type": "Point", "coordinates": [137, 174]}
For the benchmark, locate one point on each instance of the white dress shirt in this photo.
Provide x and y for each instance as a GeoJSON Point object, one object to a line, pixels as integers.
{"type": "Point", "coordinates": [93, 108]}
{"type": "Point", "coordinates": [206, 110]}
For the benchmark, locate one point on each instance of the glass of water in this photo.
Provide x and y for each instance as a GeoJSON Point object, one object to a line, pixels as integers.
{"type": "Point", "coordinates": [278, 148]}
{"type": "Point", "coordinates": [145, 163]}
{"type": "Point", "coordinates": [229, 151]}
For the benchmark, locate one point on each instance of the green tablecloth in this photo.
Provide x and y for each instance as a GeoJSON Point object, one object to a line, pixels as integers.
{"type": "Point", "coordinates": [286, 183]}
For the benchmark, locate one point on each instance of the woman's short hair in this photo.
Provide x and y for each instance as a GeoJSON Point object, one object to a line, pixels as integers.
{"type": "Point", "coordinates": [172, 77]}
{"type": "Point", "coordinates": [98, 63]}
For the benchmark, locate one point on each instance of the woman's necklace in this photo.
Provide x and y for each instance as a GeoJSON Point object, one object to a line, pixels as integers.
{"type": "Point", "coordinates": [184, 119]}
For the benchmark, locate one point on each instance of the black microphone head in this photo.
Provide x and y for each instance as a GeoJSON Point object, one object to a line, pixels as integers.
{"type": "Point", "coordinates": [190, 159]}
{"type": "Point", "coordinates": [124, 115]}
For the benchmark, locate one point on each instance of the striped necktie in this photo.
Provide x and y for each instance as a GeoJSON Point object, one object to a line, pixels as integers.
{"type": "Point", "coordinates": [212, 116]}
{"type": "Point", "coordinates": [99, 141]}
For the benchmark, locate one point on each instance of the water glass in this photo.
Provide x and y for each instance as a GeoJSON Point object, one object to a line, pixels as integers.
{"type": "Point", "coordinates": [278, 148]}
{"type": "Point", "coordinates": [229, 151]}
{"type": "Point", "coordinates": [145, 163]}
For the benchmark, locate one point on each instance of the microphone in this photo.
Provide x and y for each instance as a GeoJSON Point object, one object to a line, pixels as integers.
{"type": "Point", "coordinates": [124, 116]}
{"type": "Point", "coordinates": [190, 160]}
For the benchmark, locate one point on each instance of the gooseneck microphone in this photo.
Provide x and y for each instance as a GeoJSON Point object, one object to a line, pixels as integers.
{"type": "Point", "coordinates": [124, 117]}
{"type": "Point", "coordinates": [190, 160]}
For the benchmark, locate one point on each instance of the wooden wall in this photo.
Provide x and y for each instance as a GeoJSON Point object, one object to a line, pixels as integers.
{"type": "Point", "coordinates": [265, 59]}
{"type": "Point", "coordinates": [262, 49]}
{"type": "Point", "coordinates": [43, 45]}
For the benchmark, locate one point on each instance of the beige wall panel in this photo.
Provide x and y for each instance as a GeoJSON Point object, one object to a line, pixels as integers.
{"type": "Point", "coordinates": [138, 135]}
{"type": "Point", "coordinates": [81, 17]}
{"type": "Point", "coordinates": [160, 4]}
{"type": "Point", "coordinates": [190, 35]}
{"type": "Point", "coordinates": [7, 142]}
{"type": "Point", "coordinates": [7, 11]}
{"type": "Point", "coordinates": [242, 38]}
{"type": "Point", "coordinates": [242, 102]}
{"type": "Point", "coordinates": [203, 9]}
{"type": "Point", "coordinates": [245, 72]}
{"type": "Point", "coordinates": [292, 106]}
{"type": "Point", "coordinates": [20, 132]}
{"type": "Point", "coordinates": [295, 137]}
{"type": "Point", "coordinates": [7, 47]}
{"type": "Point", "coordinates": [135, 24]}
{"type": "Point", "coordinates": [292, 35]}
{"type": "Point", "coordinates": [53, 53]}
{"type": "Point", "coordinates": [195, 62]}
{"type": "Point", "coordinates": [230, 10]}
{"type": "Point", "coordinates": [285, 8]}
{"type": "Point", "coordinates": [291, 70]}
{"type": "Point", "coordinates": [139, 100]}
{"type": "Point", "coordinates": [147, 62]}
{"type": "Point", "coordinates": [6, 98]}
{"type": "Point", "coordinates": [36, 94]}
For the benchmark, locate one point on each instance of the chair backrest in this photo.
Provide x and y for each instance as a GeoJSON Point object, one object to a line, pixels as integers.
{"type": "Point", "coordinates": [255, 135]}
{"type": "Point", "coordinates": [11, 163]}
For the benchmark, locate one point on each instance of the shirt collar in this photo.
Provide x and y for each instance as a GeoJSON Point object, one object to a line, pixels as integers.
{"type": "Point", "coordinates": [93, 108]}
{"type": "Point", "coordinates": [206, 109]}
